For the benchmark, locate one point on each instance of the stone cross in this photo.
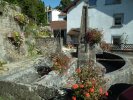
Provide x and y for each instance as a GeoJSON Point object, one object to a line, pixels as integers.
{"type": "Point", "coordinates": [83, 54]}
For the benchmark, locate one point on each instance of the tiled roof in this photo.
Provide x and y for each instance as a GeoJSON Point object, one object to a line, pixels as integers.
{"type": "Point", "coordinates": [74, 32]}
{"type": "Point", "coordinates": [56, 25]}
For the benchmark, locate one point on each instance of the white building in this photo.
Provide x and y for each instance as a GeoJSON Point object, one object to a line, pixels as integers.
{"type": "Point", "coordinates": [58, 24]}
{"type": "Point", "coordinates": [113, 17]}
{"type": "Point", "coordinates": [55, 15]}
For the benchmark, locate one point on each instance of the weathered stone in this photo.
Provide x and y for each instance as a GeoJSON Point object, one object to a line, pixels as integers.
{"type": "Point", "coordinates": [43, 61]}
{"type": "Point", "coordinates": [54, 79]}
{"type": "Point", "coordinates": [123, 75]}
{"type": "Point", "coordinates": [46, 45]}
{"type": "Point", "coordinates": [17, 91]}
{"type": "Point", "coordinates": [83, 56]}
{"type": "Point", "coordinates": [7, 26]}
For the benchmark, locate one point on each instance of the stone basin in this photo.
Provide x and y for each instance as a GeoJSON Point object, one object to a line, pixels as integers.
{"type": "Point", "coordinates": [110, 61]}
{"type": "Point", "coordinates": [118, 69]}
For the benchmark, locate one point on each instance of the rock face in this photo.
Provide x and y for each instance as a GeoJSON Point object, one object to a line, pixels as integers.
{"type": "Point", "coordinates": [55, 80]}
{"type": "Point", "coordinates": [43, 65]}
{"type": "Point", "coordinates": [21, 91]}
{"type": "Point", "coordinates": [46, 45]}
{"type": "Point", "coordinates": [7, 25]}
{"type": "Point", "coordinates": [22, 82]}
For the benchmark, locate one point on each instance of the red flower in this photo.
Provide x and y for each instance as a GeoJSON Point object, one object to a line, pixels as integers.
{"type": "Point", "coordinates": [81, 86]}
{"type": "Point", "coordinates": [107, 94]}
{"type": "Point", "coordinates": [78, 70]}
{"type": "Point", "coordinates": [91, 90]}
{"type": "Point", "coordinates": [100, 90]}
{"type": "Point", "coordinates": [87, 95]}
{"type": "Point", "coordinates": [73, 98]}
{"type": "Point", "coordinates": [75, 86]}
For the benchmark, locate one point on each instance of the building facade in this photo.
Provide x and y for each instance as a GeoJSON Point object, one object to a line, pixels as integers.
{"type": "Point", "coordinates": [57, 23]}
{"type": "Point", "coordinates": [54, 15]}
{"type": "Point", "coordinates": [113, 17]}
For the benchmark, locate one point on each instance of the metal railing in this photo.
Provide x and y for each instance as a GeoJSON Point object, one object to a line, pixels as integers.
{"type": "Point", "coordinates": [124, 47]}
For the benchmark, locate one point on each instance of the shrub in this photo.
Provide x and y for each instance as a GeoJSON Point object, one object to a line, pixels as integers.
{"type": "Point", "coordinates": [15, 38]}
{"type": "Point", "coordinates": [44, 32]}
{"type": "Point", "coordinates": [89, 83]}
{"type": "Point", "coordinates": [105, 46]}
{"type": "Point", "coordinates": [60, 61]}
{"type": "Point", "coordinates": [1, 64]}
{"type": "Point", "coordinates": [32, 50]}
{"type": "Point", "coordinates": [31, 29]}
{"type": "Point", "coordinates": [21, 18]}
{"type": "Point", "coordinates": [94, 36]}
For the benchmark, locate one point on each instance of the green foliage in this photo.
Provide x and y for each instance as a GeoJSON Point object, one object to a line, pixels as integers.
{"type": "Point", "coordinates": [21, 18]}
{"type": "Point", "coordinates": [34, 9]}
{"type": "Point", "coordinates": [30, 29]}
{"type": "Point", "coordinates": [1, 67]}
{"type": "Point", "coordinates": [32, 50]}
{"type": "Point", "coordinates": [64, 4]}
{"type": "Point", "coordinates": [3, 6]}
{"type": "Point", "coordinates": [44, 34]}
{"type": "Point", "coordinates": [37, 31]}
{"type": "Point", "coordinates": [17, 38]}
{"type": "Point", "coordinates": [1, 98]}
{"type": "Point", "coordinates": [6, 98]}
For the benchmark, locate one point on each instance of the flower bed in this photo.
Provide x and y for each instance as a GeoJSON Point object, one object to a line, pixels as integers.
{"type": "Point", "coordinates": [89, 84]}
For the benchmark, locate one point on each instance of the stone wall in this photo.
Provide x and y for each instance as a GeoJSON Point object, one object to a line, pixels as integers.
{"type": "Point", "coordinates": [7, 24]}
{"type": "Point", "coordinates": [46, 45]}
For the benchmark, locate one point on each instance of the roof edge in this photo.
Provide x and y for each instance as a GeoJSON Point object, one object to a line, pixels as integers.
{"type": "Point", "coordinates": [71, 5]}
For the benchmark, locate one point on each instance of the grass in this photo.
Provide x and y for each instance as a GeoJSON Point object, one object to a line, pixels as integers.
{"type": "Point", "coordinates": [6, 98]}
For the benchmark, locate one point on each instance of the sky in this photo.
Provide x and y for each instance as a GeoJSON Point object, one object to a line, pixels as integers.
{"type": "Point", "coordinates": [52, 3]}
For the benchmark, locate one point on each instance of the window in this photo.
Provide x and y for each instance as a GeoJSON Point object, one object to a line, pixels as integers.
{"type": "Point", "coordinates": [109, 2]}
{"type": "Point", "coordinates": [92, 2]}
{"type": "Point", "coordinates": [116, 40]}
{"type": "Point", "coordinates": [118, 19]}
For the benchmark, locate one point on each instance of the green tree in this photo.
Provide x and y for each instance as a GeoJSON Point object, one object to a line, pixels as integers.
{"type": "Point", "coordinates": [63, 4]}
{"type": "Point", "coordinates": [34, 9]}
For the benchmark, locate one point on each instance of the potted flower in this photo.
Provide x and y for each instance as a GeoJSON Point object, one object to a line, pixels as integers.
{"type": "Point", "coordinates": [94, 36]}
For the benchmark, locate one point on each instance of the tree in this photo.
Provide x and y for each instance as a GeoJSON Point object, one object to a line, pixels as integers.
{"type": "Point", "coordinates": [34, 9]}
{"type": "Point", "coordinates": [63, 4]}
